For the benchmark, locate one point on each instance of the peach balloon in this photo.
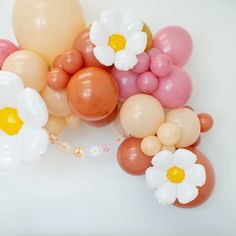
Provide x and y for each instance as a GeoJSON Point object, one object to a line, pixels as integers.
{"type": "Point", "coordinates": [55, 125]}
{"type": "Point", "coordinates": [188, 123]}
{"type": "Point", "coordinates": [56, 102]}
{"type": "Point", "coordinates": [47, 27]}
{"type": "Point", "coordinates": [31, 67]}
{"type": "Point", "coordinates": [73, 121]}
{"type": "Point", "coordinates": [150, 145]}
{"type": "Point", "coordinates": [168, 133]}
{"type": "Point", "coordinates": [168, 148]}
{"type": "Point", "coordinates": [141, 115]}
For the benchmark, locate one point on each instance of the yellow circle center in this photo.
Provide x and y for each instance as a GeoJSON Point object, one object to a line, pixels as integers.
{"type": "Point", "coordinates": [175, 174]}
{"type": "Point", "coordinates": [117, 42]}
{"type": "Point", "coordinates": [10, 121]}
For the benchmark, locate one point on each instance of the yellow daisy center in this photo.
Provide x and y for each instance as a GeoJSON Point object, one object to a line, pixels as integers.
{"type": "Point", "coordinates": [175, 174]}
{"type": "Point", "coordinates": [10, 121]}
{"type": "Point", "coordinates": [117, 42]}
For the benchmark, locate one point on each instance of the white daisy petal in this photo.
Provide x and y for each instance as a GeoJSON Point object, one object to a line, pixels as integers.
{"type": "Point", "coordinates": [186, 192]}
{"type": "Point", "coordinates": [32, 109]}
{"type": "Point", "coordinates": [125, 60]}
{"type": "Point", "coordinates": [163, 160]}
{"type": "Point", "coordinates": [10, 87]}
{"type": "Point", "coordinates": [155, 177]}
{"type": "Point", "coordinates": [130, 25]}
{"type": "Point", "coordinates": [196, 175]}
{"type": "Point", "coordinates": [137, 42]}
{"type": "Point", "coordinates": [98, 34]}
{"type": "Point", "coordinates": [104, 54]}
{"type": "Point", "coordinates": [32, 142]}
{"type": "Point", "coordinates": [166, 193]}
{"type": "Point", "coordinates": [184, 158]}
{"type": "Point", "coordinates": [111, 20]}
{"type": "Point", "coordinates": [9, 158]}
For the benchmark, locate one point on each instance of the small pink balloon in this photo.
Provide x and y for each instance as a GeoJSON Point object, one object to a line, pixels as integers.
{"type": "Point", "coordinates": [161, 65]}
{"type": "Point", "coordinates": [127, 82]}
{"type": "Point", "coordinates": [175, 42]}
{"type": "Point", "coordinates": [153, 52]}
{"type": "Point", "coordinates": [143, 63]}
{"type": "Point", "coordinates": [147, 82]}
{"type": "Point", "coordinates": [175, 89]}
{"type": "Point", "coordinates": [6, 49]}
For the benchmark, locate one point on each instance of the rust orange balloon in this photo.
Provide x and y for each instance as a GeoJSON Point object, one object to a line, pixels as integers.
{"type": "Point", "coordinates": [206, 122]}
{"type": "Point", "coordinates": [92, 93]}
{"type": "Point", "coordinates": [131, 158]}
{"type": "Point", "coordinates": [206, 190]}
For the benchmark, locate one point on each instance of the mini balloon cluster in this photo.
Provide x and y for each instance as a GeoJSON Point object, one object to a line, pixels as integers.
{"type": "Point", "coordinates": [114, 70]}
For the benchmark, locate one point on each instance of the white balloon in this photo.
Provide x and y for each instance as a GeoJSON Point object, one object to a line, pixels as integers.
{"type": "Point", "coordinates": [32, 109]}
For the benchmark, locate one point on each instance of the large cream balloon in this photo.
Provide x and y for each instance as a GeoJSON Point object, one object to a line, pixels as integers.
{"type": "Point", "coordinates": [31, 67]}
{"type": "Point", "coordinates": [56, 102]}
{"type": "Point", "coordinates": [48, 27]}
{"type": "Point", "coordinates": [188, 123]}
{"type": "Point", "coordinates": [141, 115]}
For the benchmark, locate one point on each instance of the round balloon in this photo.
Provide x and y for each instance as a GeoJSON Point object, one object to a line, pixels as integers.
{"type": "Point", "coordinates": [206, 190]}
{"type": "Point", "coordinates": [47, 27]}
{"type": "Point", "coordinates": [92, 93]}
{"type": "Point", "coordinates": [73, 121]}
{"type": "Point", "coordinates": [55, 125]}
{"type": "Point", "coordinates": [188, 123]}
{"type": "Point", "coordinates": [131, 158]}
{"type": "Point", "coordinates": [141, 115]}
{"type": "Point", "coordinates": [32, 68]}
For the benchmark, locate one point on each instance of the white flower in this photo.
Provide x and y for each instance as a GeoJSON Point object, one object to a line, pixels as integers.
{"type": "Point", "coordinates": [95, 151]}
{"type": "Point", "coordinates": [175, 175]}
{"type": "Point", "coordinates": [118, 39]}
{"type": "Point", "coordinates": [23, 113]}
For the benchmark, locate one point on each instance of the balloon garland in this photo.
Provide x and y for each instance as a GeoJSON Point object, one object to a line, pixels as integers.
{"type": "Point", "coordinates": [113, 70]}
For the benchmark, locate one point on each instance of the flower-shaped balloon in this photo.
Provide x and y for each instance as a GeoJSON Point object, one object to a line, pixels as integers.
{"type": "Point", "coordinates": [23, 113]}
{"type": "Point", "coordinates": [175, 175]}
{"type": "Point", "coordinates": [118, 39]}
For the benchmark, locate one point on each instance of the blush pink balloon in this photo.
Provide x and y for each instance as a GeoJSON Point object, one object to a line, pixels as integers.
{"type": "Point", "coordinates": [147, 82]}
{"type": "Point", "coordinates": [175, 89]}
{"type": "Point", "coordinates": [6, 49]}
{"type": "Point", "coordinates": [175, 42]}
{"type": "Point", "coordinates": [153, 52]}
{"type": "Point", "coordinates": [143, 63]}
{"type": "Point", "coordinates": [127, 82]}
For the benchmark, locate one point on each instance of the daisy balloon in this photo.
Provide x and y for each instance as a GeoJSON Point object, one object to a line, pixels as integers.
{"type": "Point", "coordinates": [176, 176]}
{"type": "Point", "coordinates": [23, 113]}
{"type": "Point", "coordinates": [118, 39]}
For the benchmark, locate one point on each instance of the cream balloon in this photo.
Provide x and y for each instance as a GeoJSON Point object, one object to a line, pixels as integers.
{"type": "Point", "coordinates": [31, 67]}
{"type": "Point", "coordinates": [73, 121]}
{"type": "Point", "coordinates": [150, 145]}
{"type": "Point", "coordinates": [141, 115]}
{"type": "Point", "coordinates": [56, 102]}
{"type": "Point", "coordinates": [188, 123]}
{"type": "Point", "coordinates": [168, 148]}
{"type": "Point", "coordinates": [55, 125]}
{"type": "Point", "coordinates": [47, 27]}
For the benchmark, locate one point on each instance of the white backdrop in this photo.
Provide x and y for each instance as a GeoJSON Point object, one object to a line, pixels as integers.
{"type": "Point", "coordinates": [61, 195]}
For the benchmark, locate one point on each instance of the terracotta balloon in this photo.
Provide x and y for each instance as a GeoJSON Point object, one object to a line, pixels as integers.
{"type": "Point", "coordinates": [85, 47]}
{"type": "Point", "coordinates": [92, 93]}
{"type": "Point", "coordinates": [56, 102]}
{"type": "Point", "coordinates": [206, 122]}
{"type": "Point", "coordinates": [31, 67]}
{"type": "Point", "coordinates": [55, 125]}
{"type": "Point", "coordinates": [47, 27]}
{"type": "Point", "coordinates": [131, 158]}
{"type": "Point", "coordinates": [73, 121]}
{"type": "Point", "coordinates": [206, 190]}
{"type": "Point", "coordinates": [106, 121]}
{"type": "Point", "coordinates": [188, 123]}
{"type": "Point", "coordinates": [141, 115]}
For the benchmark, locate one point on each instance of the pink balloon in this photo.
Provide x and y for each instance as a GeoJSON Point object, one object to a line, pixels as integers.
{"type": "Point", "coordinates": [175, 89]}
{"type": "Point", "coordinates": [127, 82]}
{"type": "Point", "coordinates": [175, 42]}
{"type": "Point", "coordinates": [161, 65]}
{"type": "Point", "coordinates": [147, 82]}
{"type": "Point", "coordinates": [153, 52]}
{"type": "Point", "coordinates": [6, 49]}
{"type": "Point", "coordinates": [143, 63]}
